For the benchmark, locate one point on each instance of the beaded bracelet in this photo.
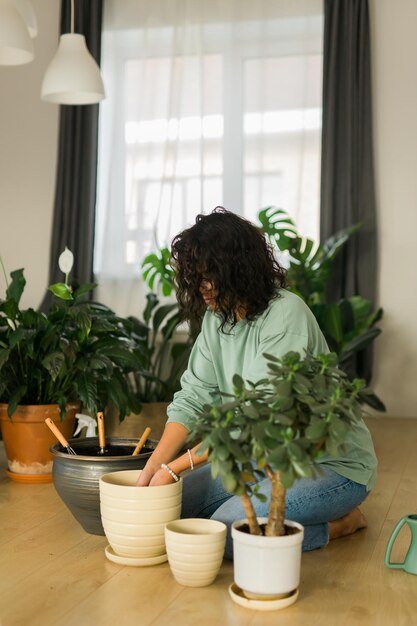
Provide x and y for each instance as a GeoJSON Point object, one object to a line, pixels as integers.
{"type": "Point", "coordinates": [170, 471]}
{"type": "Point", "coordinates": [191, 459]}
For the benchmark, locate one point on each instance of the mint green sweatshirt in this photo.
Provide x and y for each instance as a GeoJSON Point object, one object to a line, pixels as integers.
{"type": "Point", "coordinates": [287, 324]}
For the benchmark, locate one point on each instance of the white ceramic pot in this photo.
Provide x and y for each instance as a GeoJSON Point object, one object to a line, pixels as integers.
{"type": "Point", "coordinates": [134, 518]}
{"type": "Point", "coordinates": [267, 566]}
{"type": "Point", "coordinates": [195, 549]}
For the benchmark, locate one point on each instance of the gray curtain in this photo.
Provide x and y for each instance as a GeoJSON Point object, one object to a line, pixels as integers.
{"type": "Point", "coordinates": [347, 170]}
{"type": "Point", "coordinates": [75, 192]}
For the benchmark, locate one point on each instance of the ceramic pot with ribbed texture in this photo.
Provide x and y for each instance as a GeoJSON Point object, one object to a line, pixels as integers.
{"type": "Point", "coordinates": [195, 549]}
{"type": "Point", "coordinates": [76, 478]}
{"type": "Point", "coordinates": [134, 518]}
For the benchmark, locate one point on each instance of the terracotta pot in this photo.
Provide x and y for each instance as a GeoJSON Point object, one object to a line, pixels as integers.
{"type": "Point", "coordinates": [27, 439]}
{"type": "Point", "coordinates": [153, 414]}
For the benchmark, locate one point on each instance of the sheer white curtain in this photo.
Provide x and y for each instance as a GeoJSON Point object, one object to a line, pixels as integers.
{"type": "Point", "coordinates": [208, 103]}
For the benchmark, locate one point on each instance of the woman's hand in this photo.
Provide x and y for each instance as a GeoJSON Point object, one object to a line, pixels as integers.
{"type": "Point", "coordinates": [147, 474]}
{"type": "Point", "coordinates": [161, 477]}
{"type": "Point", "coordinates": [173, 437]}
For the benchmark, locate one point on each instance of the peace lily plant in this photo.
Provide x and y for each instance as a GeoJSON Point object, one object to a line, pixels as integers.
{"type": "Point", "coordinates": [79, 351]}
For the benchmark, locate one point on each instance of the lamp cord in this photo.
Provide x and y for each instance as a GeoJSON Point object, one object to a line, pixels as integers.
{"type": "Point", "coordinates": [72, 16]}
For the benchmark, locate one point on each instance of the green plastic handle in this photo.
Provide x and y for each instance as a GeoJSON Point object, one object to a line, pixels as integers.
{"type": "Point", "coordinates": [391, 543]}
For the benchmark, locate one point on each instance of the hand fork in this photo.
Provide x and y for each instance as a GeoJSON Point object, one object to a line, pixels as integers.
{"type": "Point", "coordinates": [59, 436]}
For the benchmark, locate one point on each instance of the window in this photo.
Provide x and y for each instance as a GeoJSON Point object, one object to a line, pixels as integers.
{"type": "Point", "coordinates": [205, 112]}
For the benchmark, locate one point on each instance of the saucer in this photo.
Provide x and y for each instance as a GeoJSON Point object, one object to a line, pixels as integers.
{"type": "Point", "coordinates": [238, 596]}
{"type": "Point", "coordinates": [29, 478]}
{"type": "Point", "coordinates": [133, 560]}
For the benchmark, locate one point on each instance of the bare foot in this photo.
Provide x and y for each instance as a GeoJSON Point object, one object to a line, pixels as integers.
{"type": "Point", "coordinates": [347, 524]}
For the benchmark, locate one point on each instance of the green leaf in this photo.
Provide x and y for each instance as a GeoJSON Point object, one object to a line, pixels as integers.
{"type": "Point", "coordinates": [61, 290]}
{"type": "Point", "coordinates": [251, 411]}
{"type": "Point", "coordinates": [316, 429]}
{"type": "Point", "coordinates": [278, 457]}
{"type": "Point", "coordinates": [15, 398]}
{"type": "Point", "coordinates": [151, 302]}
{"type": "Point", "coordinates": [288, 477]}
{"type": "Point", "coordinates": [238, 382]}
{"type": "Point", "coordinates": [16, 337]}
{"type": "Point", "coordinates": [84, 322]}
{"type": "Point", "coordinates": [359, 343]}
{"type": "Point", "coordinates": [83, 289]}
{"type": "Point", "coordinates": [161, 313]}
{"type": "Point", "coordinates": [229, 483]}
{"type": "Point", "coordinates": [17, 285]}
{"type": "Point", "coordinates": [295, 452]}
{"type": "Point", "coordinates": [338, 429]}
{"type": "Point", "coordinates": [54, 363]}
{"type": "Point", "coordinates": [87, 393]}
{"type": "Point", "coordinates": [333, 323]}
{"type": "Point", "coordinates": [273, 431]}
{"type": "Point", "coordinates": [283, 388]}
{"type": "Point", "coordinates": [4, 355]}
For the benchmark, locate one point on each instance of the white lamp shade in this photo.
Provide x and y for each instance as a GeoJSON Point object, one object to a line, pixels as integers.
{"type": "Point", "coordinates": [16, 47]}
{"type": "Point", "coordinates": [25, 9]}
{"type": "Point", "coordinates": [73, 76]}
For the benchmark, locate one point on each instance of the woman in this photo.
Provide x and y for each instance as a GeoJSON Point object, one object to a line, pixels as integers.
{"type": "Point", "coordinates": [227, 275]}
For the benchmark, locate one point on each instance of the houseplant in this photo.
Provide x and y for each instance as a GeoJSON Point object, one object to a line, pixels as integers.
{"type": "Point", "coordinates": [80, 352]}
{"type": "Point", "coordinates": [349, 325]}
{"type": "Point", "coordinates": [163, 352]}
{"type": "Point", "coordinates": [278, 427]}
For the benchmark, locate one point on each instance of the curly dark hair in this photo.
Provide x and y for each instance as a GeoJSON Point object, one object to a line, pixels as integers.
{"type": "Point", "coordinates": [233, 254]}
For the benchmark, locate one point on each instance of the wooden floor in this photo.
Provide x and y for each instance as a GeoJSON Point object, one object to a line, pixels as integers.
{"type": "Point", "coordinates": [54, 574]}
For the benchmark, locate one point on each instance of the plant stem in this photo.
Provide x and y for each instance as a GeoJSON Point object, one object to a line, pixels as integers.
{"type": "Point", "coordinates": [4, 272]}
{"type": "Point", "coordinates": [250, 515]}
{"type": "Point", "coordinates": [275, 526]}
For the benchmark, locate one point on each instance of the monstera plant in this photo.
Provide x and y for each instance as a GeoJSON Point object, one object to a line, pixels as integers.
{"type": "Point", "coordinates": [350, 324]}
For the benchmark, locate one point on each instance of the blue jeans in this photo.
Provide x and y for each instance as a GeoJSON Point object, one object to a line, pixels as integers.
{"type": "Point", "coordinates": [312, 503]}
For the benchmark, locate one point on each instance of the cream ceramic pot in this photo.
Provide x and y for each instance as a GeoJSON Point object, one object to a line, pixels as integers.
{"type": "Point", "coordinates": [195, 549]}
{"type": "Point", "coordinates": [134, 518]}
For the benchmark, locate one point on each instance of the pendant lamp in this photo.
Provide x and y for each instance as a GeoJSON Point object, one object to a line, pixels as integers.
{"type": "Point", "coordinates": [73, 76]}
{"type": "Point", "coordinates": [25, 9]}
{"type": "Point", "coordinates": [16, 47]}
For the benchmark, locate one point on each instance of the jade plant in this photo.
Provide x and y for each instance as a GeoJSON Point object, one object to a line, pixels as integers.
{"type": "Point", "coordinates": [279, 427]}
{"type": "Point", "coordinates": [79, 351]}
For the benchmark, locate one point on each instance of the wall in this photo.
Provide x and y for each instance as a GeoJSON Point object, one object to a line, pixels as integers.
{"type": "Point", "coordinates": [28, 147]}
{"type": "Point", "coordinates": [28, 143]}
{"type": "Point", "coordinates": [394, 64]}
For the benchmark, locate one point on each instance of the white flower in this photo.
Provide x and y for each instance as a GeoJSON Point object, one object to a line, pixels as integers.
{"type": "Point", "coordinates": [66, 261]}
{"type": "Point", "coordinates": [11, 324]}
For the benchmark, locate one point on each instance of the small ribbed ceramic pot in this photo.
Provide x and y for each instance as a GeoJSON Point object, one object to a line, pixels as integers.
{"type": "Point", "coordinates": [76, 478]}
{"type": "Point", "coordinates": [134, 518]}
{"type": "Point", "coordinates": [195, 549]}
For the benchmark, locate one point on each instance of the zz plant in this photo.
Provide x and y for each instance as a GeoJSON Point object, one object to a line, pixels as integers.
{"type": "Point", "coordinates": [279, 427]}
